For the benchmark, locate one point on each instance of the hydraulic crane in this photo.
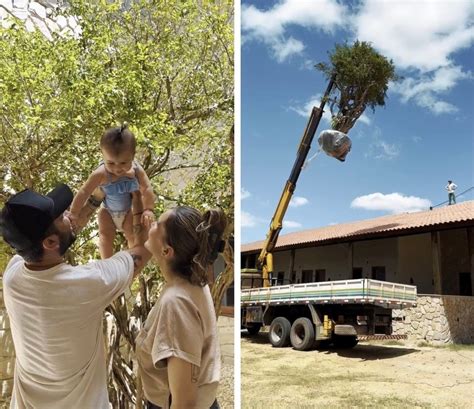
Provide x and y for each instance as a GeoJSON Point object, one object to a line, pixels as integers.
{"type": "Point", "coordinates": [265, 259]}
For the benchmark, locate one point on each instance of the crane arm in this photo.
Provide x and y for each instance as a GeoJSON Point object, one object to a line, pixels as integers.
{"type": "Point", "coordinates": [265, 259]}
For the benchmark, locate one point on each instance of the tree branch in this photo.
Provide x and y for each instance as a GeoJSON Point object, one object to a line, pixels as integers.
{"type": "Point", "coordinates": [170, 98]}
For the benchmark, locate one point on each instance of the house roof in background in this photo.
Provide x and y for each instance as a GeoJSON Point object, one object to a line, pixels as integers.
{"type": "Point", "coordinates": [406, 223]}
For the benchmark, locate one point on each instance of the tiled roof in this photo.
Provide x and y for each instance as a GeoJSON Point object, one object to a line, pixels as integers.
{"type": "Point", "coordinates": [462, 213]}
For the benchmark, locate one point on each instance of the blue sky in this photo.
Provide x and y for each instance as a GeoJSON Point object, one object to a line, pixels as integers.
{"type": "Point", "coordinates": [402, 155]}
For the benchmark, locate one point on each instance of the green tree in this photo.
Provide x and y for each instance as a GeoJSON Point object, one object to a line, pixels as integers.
{"type": "Point", "coordinates": [165, 69]}
{"type": "Point", "coordinates": [361, 77]}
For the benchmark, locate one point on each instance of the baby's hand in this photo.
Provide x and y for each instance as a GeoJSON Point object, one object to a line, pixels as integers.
{"type": "Point", "coordinates": [148, 217]}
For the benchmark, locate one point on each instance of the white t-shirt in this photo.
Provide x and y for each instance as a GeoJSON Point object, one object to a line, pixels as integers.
{"type": "Point", "coordinates": [181, 324]}
{"type": "Point", "coordinates": [451, 187]}
{"type": "Point", "coordinates": [56, 324]}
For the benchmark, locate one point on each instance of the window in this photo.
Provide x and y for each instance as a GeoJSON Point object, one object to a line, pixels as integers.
{"type": "Point", "coordinates": [465, 285]}
{"type": "Point", "coordinates": [293, 277]}
{"type": "Point", "coordinates": [307, 276]}
{"type": "Point", "coordinates": [378, 273]}
{"type": "Point", "coordinates": [250, 261]}
{"type": "Point", "coordinates": [356, 273]}
{"type": "Point", "coordinates": [320, 275]}
{"type": "Point", "coordinates": [281, 278]}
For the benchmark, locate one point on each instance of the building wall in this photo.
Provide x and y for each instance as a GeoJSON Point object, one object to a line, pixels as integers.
{"type": "Point", "coordinates": [335, 259]}
{"type": "Point", "coordinates": [332, 259]}
{"type": "Point", "coordinates": [406, 259]}
{"type": "Point", "coordinates": [372, 253]}
{"type": "Point", "coordinates": [415, 262]}
{"type": "Point", "coordinates": [281, 263]}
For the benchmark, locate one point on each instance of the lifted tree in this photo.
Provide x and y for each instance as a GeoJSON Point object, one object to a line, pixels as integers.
{"type": "Point", "coordinates": [361, 76]}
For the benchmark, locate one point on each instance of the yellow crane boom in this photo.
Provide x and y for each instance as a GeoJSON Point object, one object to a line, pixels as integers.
{"type": "Point", "coordinates": [265, 259]}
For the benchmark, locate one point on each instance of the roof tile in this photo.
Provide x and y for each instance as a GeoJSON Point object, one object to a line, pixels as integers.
{"type": "Point", "coordinates": [462, 212]}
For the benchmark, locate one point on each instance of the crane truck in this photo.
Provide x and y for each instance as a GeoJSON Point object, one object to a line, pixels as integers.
{"type": "Point", "coordinates": [320, 313]}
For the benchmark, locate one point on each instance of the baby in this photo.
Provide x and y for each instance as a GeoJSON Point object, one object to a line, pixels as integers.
{"type": "Point", "coordinates": [121, 179]}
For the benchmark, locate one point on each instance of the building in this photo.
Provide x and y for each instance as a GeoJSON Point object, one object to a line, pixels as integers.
{"type": "Point", "coordinates": [433, 250]}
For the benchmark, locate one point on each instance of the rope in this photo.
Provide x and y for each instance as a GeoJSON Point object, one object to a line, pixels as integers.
{"type": "Point", "coordinates": [305, 165]}
{"type": "Point", "coordinates": [446, 201]}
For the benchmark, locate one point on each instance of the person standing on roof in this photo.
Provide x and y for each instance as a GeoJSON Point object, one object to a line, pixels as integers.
{"type": "Point", "coordinates": [451, 187]}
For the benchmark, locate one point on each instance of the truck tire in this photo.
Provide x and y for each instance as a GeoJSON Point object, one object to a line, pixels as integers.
{"type": "Point", "coordinates": [279, 334]}
{"type": "Point", "coordinates": [302, 334]}
{"type": "Point", "coordinates": [254, 329]}
{"type": "Point", "coordinates": [341, 341]}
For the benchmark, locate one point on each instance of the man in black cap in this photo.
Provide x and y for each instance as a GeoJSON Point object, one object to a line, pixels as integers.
{"type": "Point", "coordinates": [55, 309]}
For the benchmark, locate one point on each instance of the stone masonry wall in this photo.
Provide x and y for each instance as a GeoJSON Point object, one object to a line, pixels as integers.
{"type": "Point", "coordinates": [437, 319]}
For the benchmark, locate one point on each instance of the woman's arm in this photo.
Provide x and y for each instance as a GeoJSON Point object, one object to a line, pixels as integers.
{"type": "Point", "coordinates": [182, 385]}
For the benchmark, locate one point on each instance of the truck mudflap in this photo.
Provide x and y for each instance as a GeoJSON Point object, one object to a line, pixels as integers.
{"type": "Point", "coordinates": [253, 314]}
{"type": "Point", "coordinates": [380, 337]}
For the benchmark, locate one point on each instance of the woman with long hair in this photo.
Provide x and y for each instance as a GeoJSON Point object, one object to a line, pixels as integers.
{"type": "Point", "coordinates": [178, 349]}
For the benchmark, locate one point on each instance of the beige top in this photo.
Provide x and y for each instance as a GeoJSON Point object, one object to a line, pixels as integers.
{"type": "Point", "coordinates": [56, 324]}
{"type": "Point", "coordinates": [181, 324]}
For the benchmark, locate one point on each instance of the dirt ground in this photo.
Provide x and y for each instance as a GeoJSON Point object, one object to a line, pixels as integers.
{"type": "Point", "coordinates": [390, 374]}
{"type": "Point", "coordinates": [225, 393]}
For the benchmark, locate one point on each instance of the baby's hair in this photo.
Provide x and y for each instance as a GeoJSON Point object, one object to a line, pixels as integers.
{"type": "Point", "coordinates": [118, 139]}
{"type": "Point", "coordinates": [196, 240]}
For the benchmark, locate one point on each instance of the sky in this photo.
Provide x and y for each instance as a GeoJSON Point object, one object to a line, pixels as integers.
{"type": "Point", "coordinates": [402, 154]}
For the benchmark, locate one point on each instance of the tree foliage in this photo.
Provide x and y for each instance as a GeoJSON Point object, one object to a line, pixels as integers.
{"type": "Point", "coordinates": [362, 76]}
{"type": "Point", "coordinates": [166, 69]}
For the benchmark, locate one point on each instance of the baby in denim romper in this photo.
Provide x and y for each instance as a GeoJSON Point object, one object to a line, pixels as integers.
{"type": "Point", "coordinates": [125, 185]}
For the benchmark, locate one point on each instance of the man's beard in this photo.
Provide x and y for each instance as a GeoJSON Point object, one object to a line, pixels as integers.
{"type": "Point", "coordinates": [65, 241]}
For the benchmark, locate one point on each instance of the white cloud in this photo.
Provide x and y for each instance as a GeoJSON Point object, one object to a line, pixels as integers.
{"type": "Point", "coordinates": [426, 89]}
{"type": "Point", "coordinates": [284, 49]}
{"type": "Point", "coordinates": [307, 65]}
{"type": "Point", "coordinates": [416, 34]}
{"type": "Point", "coordinates": [248, 220]}
{"type": "Point", "coordinates": [420, 36]}
{"type": "Point", "coordinates": [269, 26]}
{"type": "Point", "coordinates": [289, 224]}
{"type": "Point", "coordinates": [244, 194]}
{"type": "Point", "coordinates": [381, 149]}
{"type": "Point", "coordinates": [384, 150]}
{"type": "Point", "coordinates": [298, 201]}
{"type": "Point", "coordinates": [392, 202]}
{"type": "Point", "coordinates": [364, 119]}
{"type": "Point", "coordinates": [305, 109]}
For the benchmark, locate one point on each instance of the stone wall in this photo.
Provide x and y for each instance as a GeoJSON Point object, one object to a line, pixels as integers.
{"type": "Point", "coordinates": [437, 319]}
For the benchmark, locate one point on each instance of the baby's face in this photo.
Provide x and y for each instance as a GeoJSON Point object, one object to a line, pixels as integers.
{"type": "Point", "coordinates": [117, 163]}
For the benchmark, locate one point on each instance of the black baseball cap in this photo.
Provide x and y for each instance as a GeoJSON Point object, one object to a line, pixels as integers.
{"type": "Point", "coordinates": [26, 216]}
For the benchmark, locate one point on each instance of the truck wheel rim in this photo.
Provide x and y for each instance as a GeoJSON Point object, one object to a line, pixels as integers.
{"type": "Point", "coordinates": [299, 333]}
{"type": "Point", "coordinates": [278, 332]}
